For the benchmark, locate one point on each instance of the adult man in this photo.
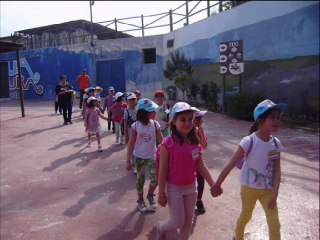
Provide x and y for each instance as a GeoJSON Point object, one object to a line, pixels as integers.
{"type": "Point", "coordinates": [64, 90]}
{"type": "Point", "coordinates": [83, 81]}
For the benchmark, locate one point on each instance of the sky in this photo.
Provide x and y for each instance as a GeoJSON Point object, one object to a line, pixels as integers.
{"type": "Point", "coordinates": [21, 15]}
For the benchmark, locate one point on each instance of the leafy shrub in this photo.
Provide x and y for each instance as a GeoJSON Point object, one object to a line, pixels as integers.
{"type": "Point", "coordinates": [209, 94]}
{"type": "Point", "coordinates": [242, 105]}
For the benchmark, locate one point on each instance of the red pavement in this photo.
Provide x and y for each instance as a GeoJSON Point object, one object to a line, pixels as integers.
{"type": "Point", "coordinates": [55, 188]}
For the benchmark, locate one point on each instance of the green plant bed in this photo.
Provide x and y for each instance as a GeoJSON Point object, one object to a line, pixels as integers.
{"type": "Point", "coordinates": [307, 126]}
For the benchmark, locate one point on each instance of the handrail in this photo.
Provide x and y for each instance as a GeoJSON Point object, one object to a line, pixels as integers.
{"type": "Point", "coordinates": [113, 25]}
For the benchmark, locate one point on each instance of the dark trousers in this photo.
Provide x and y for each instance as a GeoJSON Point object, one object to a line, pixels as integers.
{"type": "Point", "coordinates": [66, 111]}
{"type": "Point", "coordinates": [81, 98]}
{"type": "Point", "coordinates": [57, 106]}
{"type": "Point", "coordinates": [200, 181]}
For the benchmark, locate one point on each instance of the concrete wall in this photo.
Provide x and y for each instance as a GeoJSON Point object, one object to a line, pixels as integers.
{"type": "Point", "coordinates": [280, 41]}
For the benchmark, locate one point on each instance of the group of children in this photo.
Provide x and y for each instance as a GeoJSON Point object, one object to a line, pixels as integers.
{"type": "Point", "coordinates": [178, 169]}
{"type": "Point", "coordinates": [169, 143]}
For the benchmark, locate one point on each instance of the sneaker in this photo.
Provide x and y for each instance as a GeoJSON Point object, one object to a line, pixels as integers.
{"type": "Point", "coordinates": [100, 148]}
{"type": "Point", "coordinates": [160, 234]}
{"type": "Point", "coordinates": [142, 206]}
{"type": "Point", "coordinates": [200, 207]}
{"type": "Point", "coordinates": [65, 123]}
{"type": "Point", "coordinates": [89, 144]}
{"type": "Point", "coordinates": [117, 140]}
{"type": "Point", "coordinates": [151, 201]}
{"type": "Point", "coordinates": [70, 122]}
{"type": "Point", "coordinates": [134, 171]}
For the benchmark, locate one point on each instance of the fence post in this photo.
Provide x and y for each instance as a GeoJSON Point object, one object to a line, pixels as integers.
{"type": "Point", "coordinates": [208, 8]}
{"type": "Point", "coordinates": [187, 13]}
{"type": "Point", "coordinates": [142, 25]}
{"type": "Point", "coordinates": [20, 83]}
{"type": "Point", "coordinates": [115, 27]}
{"type": "Point", "coordinates": [170, 19]}
{"type": "Point", "coordinates": [220, 6]}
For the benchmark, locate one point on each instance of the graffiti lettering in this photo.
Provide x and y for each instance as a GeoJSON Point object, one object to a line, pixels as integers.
{"type": "Point", "coordinates": [32, 80]}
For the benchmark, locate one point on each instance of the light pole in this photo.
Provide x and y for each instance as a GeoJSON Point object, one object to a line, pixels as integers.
{"type": "Point", "coordinates": [92, 45]}
{"type": "Point", "coordinates": [91, 4]}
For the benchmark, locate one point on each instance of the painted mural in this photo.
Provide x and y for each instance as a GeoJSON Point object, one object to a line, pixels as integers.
{"type": "Point", "coordinates": [280, 47]}
{"type": "Point", "coordinates": [30, 80]}
{"type": "Point", "coordinates": [281, 55]}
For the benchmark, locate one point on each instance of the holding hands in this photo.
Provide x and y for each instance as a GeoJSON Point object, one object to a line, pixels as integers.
{"type": "Point", "coordinates": [216, 190]}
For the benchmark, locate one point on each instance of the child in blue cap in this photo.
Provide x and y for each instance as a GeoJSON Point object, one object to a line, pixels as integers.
{"type": "Point", "coordinates": [260, 173]}
{"type": "Point", "coordinates": [142, 144]}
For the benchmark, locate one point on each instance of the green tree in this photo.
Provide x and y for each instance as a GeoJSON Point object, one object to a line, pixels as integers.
{"type": "Point", "coordinates": [179, 69]}
{"type": "Point", "coordinates": [193, 91]}
{"type": "Point", "coordinates": [209, 94]}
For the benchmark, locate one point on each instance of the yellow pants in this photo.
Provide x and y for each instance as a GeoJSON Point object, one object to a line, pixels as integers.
{"type": "Point", "coordinates": [249, 196]}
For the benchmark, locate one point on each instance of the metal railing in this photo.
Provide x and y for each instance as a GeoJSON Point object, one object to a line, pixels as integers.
{"type": "Point", "coordinates": [169, 19]}
{"type": "Point", "coordinates": [136, 26]}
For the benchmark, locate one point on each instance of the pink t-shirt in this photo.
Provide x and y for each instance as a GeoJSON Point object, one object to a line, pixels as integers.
{"type": "Point", "coordinates": [118, 111]}
{"type": "Point", "coordinates": [183, 160]}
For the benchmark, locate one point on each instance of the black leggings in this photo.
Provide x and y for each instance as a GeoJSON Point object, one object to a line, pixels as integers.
{"type": "Point", "coordinates": [200, 181]}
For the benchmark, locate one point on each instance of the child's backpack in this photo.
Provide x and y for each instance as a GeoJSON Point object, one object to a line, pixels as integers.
{"type": "Point", "coordinates": [240, 163]}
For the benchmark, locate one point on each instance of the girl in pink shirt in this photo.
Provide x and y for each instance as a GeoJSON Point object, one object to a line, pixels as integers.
{"type": "Point", "coordinates": [92, 121]}
{"type": "Point", "coordinates": [116, 111]}
{"type": "Point", "coordinates": [180, 158]}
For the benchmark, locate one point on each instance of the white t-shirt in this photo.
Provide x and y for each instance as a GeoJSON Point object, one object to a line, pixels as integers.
{"type": "Point", "coordinates": [257, 168]}
{"type": "Point", "coordinates": [145, 145]}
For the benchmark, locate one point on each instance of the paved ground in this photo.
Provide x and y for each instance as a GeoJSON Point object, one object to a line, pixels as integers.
{"type": "Point", "coordinates": [55, 188]}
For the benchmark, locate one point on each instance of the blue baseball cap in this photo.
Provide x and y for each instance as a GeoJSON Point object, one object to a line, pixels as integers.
{"type": "Point", "coordinates": [110, 88]}
{"type": "Point", "coordinates": [266, 105]}
{"type": "Point", "coordinates": [147, 104]}
{"type": "Point", "coordinates": [181, 107]}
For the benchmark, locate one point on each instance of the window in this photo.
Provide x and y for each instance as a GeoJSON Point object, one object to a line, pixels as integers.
{"type": "Point", "coordinates": [149, 55]}
{"type": "Point", "coordinates": [170, 43]}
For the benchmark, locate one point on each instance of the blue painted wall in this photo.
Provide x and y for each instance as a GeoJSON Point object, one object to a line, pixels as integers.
{"type": "Point", "coordinates": [41, 69]}
{"type": "Point", "coordinates": [276, 35]}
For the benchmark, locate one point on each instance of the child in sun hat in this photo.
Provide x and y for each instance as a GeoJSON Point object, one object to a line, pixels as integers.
{"type": "Point", "coordinates": [162, 112]}
{"type": "Point", "coordinates": [180, 158]}
{"type": "Point", "coordinates": [88, 92]}
{"type": "Point", "coordinates": [130, 116]}
{"type": "Point", "coordinates": [261, 171]}
{"type": "Point", "coordinates": [92, 121]}
{"type": "Point", "coordinates": [137, 92]}
{"type": "Point", "coordinates": [116, 111]}
{"type": "Point", "coordinates": [108, 102]}
{"type": "Point", "coordinates": [199, 128]}
{"type": "Point", "coordinates": [97, 93]}
{"type": "Point", "coordinates": [142, 144]}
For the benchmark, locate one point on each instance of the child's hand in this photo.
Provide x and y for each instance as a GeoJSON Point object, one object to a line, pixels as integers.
{"type": "Point", "coordinates": [162, 199]}
{"type": "Point", "coordinates": [216, 191]}
{"type": "Point", "coordinates": [129, 166]}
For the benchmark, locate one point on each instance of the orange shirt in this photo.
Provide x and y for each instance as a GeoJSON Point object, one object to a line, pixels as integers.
{"type": "Point", "coordinates": [83, 81]}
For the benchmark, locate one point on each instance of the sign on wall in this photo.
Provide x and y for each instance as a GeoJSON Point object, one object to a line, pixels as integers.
{"type": "Point", "coordinates": [231, 58]}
